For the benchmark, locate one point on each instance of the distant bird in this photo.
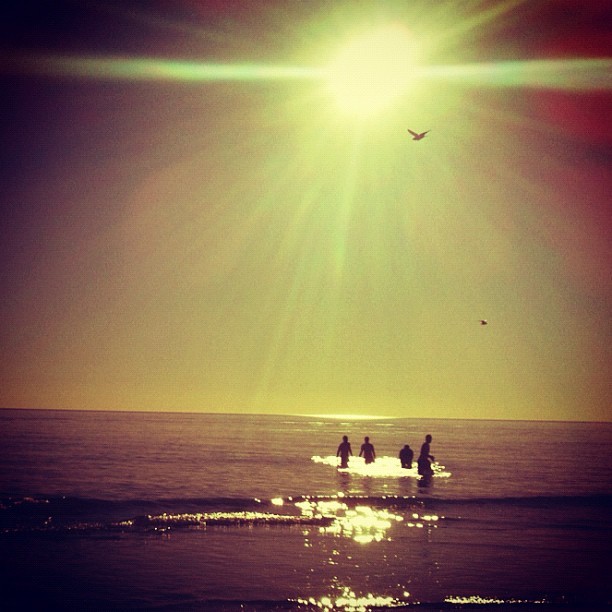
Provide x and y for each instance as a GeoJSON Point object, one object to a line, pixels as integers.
{"type": "Point", "coordinates": [484, 322]}
{"type": "Point", "coordinates": [416, 136]}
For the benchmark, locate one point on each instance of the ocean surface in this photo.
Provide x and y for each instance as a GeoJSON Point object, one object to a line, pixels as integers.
{"type": "Point", "coordinates": [149, 511]}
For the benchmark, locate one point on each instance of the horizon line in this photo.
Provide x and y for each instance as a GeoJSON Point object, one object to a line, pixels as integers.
{"type": "Point", "coordinates": [332, 416]}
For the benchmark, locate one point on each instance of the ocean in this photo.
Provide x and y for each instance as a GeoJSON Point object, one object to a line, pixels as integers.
{"type": "Point", "coordinates": [167, 511]}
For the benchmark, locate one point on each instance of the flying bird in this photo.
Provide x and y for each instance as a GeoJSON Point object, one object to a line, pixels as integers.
{"type": "Point", "coordinates": [417, 136]}
{"type": "Point", "coordinates": [484, 322]}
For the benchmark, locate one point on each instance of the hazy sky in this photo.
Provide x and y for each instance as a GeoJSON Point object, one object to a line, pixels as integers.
{"type": "Point", "coordinates": [208, 206]}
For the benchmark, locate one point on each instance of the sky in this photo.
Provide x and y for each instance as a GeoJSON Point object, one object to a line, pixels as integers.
{"type": "Point", "coordinates": [216, 206]}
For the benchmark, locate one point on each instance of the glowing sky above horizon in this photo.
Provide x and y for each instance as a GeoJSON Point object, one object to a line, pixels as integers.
{"type": "Point", "coordinates": [218, 208]}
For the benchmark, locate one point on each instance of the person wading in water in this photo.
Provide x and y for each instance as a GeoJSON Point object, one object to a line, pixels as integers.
{"type": "Point", "coordinates": [367, 451]}
{"type": "Point", "coordinates": [344, 451]}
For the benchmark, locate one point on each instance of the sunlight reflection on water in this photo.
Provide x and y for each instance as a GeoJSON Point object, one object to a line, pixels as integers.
{"type": "Point", "coordinates": [363, 523]}
{"type": "Point", "coordinates": [477, 600]}
{"type": "Point", "coordinates": [347, 600]}
{"type": "Point", "coordinates": [383, 467]}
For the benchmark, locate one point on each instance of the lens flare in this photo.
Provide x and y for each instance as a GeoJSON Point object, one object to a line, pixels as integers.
{"type": "Point", "coordinates": [151, 69]}
{"type": "Point", "coordinates": [584, 74]}
{"type": "Point", "coordinates": [367, 76]}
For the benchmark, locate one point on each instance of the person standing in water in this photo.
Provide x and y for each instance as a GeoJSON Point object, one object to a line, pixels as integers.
{"type": "Point", "coordinates": [344, 451]}
{"type": "Point", "coordinates": [367, 451]}
{"type": "Point", "coordinates": [425, 459]}
{"type": "Point", "coordinates": [406, 455]}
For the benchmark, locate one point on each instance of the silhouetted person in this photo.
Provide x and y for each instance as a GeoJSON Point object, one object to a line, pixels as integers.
{"type": "Point", "coordinates": [367, 451]}
{"type": "Point", "coordinates": [406, 455]}
{"type": "Point", "coordinates": [425, 459]}
{"type": "Point", "coordinates": [344, 451]}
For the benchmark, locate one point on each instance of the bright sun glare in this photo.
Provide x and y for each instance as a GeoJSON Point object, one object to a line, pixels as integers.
{"type": "Point", "coordinates": [373, 70]}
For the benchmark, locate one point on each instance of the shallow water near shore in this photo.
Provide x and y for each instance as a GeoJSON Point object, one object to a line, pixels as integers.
{"type": "Point", "coordinates": [130, 511]}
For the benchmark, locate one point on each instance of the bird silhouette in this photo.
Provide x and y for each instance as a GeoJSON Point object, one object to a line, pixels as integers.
{"type": "Point", "coordinates": [484, 322]}
{"type": "Point", "coordinates": [417, 136]}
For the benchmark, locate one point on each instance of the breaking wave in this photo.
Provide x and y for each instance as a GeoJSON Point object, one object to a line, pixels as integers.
{"type": "Point", "coordinates": [360, 517]}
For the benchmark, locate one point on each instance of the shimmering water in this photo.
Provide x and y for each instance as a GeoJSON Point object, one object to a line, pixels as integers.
{"type": "Point", "coordinates": [122, 511]}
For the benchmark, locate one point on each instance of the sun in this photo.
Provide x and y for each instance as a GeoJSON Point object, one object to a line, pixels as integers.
{"type": "Point", "coordinates": [373, 70]}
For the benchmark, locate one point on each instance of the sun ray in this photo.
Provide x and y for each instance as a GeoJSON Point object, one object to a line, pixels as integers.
{"type": "Point", "coordinates": [462, 29]}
